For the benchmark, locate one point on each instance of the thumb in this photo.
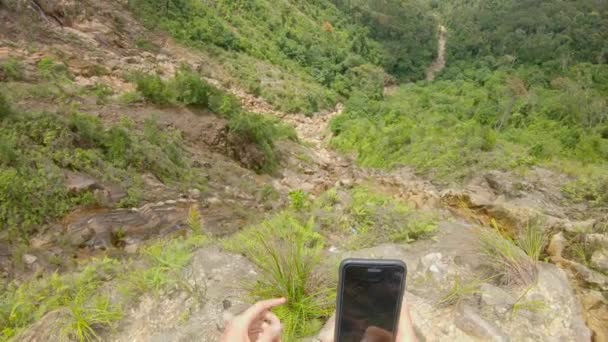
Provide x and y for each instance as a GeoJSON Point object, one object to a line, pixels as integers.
{"type": "Point", "coordinates": [272, 330]}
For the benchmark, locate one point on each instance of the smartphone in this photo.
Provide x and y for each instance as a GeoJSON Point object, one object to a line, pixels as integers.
{"type": "Point", "coordinates": [369, 299]}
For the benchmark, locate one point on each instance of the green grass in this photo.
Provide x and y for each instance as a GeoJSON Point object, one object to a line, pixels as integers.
{"type": "Point", "coordinates": [12, 70]}
{"type": "Point", "coordinates": [92, 299]}
{"type": "Point", "coordinates": [506, 259]}
{"type": "Point", "coordinates": [374, 218]}
{"type": "Point", "coordinates": [287, 251]}
{"type": "Point", "coordinates": [35, 149]}
{"type": "Point", "coordinates": [88, 308]}
{"type": "Point", "coordinates": [459, 292]}
{"type": "Point", "coordinates": [50, 69]}
{"type": "Point", "coordinates": [299, 199]}
{"type": "Point", "coordinates": [532, 305]}
{"type": "Point", "coordinates": [5, 107]}
{"type": "Point", "coordinates": [164, 259]}
{"type": "Point", "coordinates": [533, 241]}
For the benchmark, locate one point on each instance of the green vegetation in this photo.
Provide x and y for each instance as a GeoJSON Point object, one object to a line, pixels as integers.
{"type": "Point", "coordinates": [501, 120]}
{"type": "Point", "coordinates": [86, 308]}
{"type": "Point", "coordinates": [88, 301]}
{"type": "Point", "coordinates": [5, 107]}
{"type": "Point", "coordinates": [288, 248]}
{"type": "Point", "coordinates": [287, 251]}
{"type": "Point", "coordinates": [525, 85]}
{"type": "Point", "coordinates": [459, 292]}
{"type": "Point", "coordinates": [377, 219]}
{"type": "Point", "coordinates": [49, 69]}
{"type": "Point", "coordinates": [11, 70]}
{"type": "Point", "coordinates": [506, 259]}
{"type": "Point", "coordinates": [533, 241]}
{"type": "Point", "coordinates": [35, 149]}
{"type": "Point", "coordinates": [551, 33]}
{"type": "Point", "coordinates": [188, 88]}
{"type": "Point", "coordinates": [304, 54]}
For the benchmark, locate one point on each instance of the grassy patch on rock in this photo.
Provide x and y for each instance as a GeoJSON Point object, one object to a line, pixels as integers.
{"type": "Point", "coordinates": [92, 299]}
{"type": "Point", "coordinates": [37, 148]}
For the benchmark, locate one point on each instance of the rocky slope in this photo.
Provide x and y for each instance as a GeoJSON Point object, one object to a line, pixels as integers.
{"type": "Point", "coordinates": [87, 36]}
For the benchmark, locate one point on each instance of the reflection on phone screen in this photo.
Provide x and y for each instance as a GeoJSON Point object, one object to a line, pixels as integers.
{"type": "Point", "coordinates": [370, 302]}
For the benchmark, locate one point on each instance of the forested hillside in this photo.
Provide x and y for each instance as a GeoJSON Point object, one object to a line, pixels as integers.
{"type": "Point", "coordinates": [165, 164]}
{"type": "Point", "coordinates": [304, 55]}
{"type": "Point", "coordinates": [525, 85]}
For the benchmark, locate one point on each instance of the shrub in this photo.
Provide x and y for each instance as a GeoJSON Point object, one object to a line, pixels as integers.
{"type": "Point", "coordinates": [224, 104]}
{"type": "Point", "coordinates": [12, 70]}
{"type": "Point", "coordinates": [263, 132]}
{"type": "Point", "coordinates": [287, 252]}
{"type": "Point", "coordinates": [51, 70]}
{"type": "Point", "coordinates": [35, 149]}
{"type": "Point", "coordinates": [5, 108]}
{"type": "Point", "coordinates": [191, 89]}
{"type": "Point", "coordinates": [298, 199]}
{"type": "Point", "coordinates": [154, 89]}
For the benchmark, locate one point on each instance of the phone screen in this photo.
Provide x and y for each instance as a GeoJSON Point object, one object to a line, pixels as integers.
{"type": "Point", "coordinates": [370, 302]}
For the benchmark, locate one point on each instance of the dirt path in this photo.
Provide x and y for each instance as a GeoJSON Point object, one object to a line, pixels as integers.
{"type": "Point", "coordinates": [439, 63]}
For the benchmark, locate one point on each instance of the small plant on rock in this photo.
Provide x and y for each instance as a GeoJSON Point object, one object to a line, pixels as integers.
{"type": "Point", "coordinates": [505, 259]}
{"type": "Point", "coordinates": [287, 252]}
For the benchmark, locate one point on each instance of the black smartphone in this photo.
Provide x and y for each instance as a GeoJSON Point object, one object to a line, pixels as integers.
{"type": "Point", "coordinates": [369, 299]}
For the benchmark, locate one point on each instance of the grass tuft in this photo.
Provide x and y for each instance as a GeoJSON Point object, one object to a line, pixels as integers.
{"type": "Point", "coordinates": [287, 251]}
{"type": "Point", "coordinates": [508, 261]}
{"type": "Point", "coordinates": [533, 241]}
{"type": "Point", "coordinates": [459, 291]}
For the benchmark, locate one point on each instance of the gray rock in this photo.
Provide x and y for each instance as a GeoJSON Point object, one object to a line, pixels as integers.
{"type": "Point", "coordinates": [194, 193]}
{"type": "Point", "coordinates": [599, 260]}
{"type": "Point", "coordinates": [29, 259]}
{"type": "Point", "coordinates": [79, 182]}
{"type": "Point", "coordinates": [469, 321]}
{"type": "Point", "coordinates": [47, 328]}
{"type": "Point", "coordinates": [433, 264]}
{"type": "Point", "coordinates": [496, 297]}
{"type": "Point", "coordinates": [597, 239]}
{"type": "Point", "coordinates": [563, 317]}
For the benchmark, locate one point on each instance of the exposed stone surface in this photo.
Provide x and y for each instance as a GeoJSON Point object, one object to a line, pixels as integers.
{"type": "Point", "coordinates": [469, 321]}
{"type": "Point", "coordinates": [599, 260]}
{"type": "Point", "coordinates": [46, 329]}
{"type": "Point", "coordinates": [97, 228]}
{"type": "Point", "coordinates": [497, 298]}
{"type": "Point", "coordinates": [187, 317]}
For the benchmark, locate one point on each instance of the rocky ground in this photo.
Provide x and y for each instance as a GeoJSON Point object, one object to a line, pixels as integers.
{"type": "Point", "coordinates": [87, 35]}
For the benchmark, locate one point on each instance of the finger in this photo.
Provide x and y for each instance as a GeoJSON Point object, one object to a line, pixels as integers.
{"type": "Point", "coordinates": [272, 332]}
{"type": "Point", "coordinates": [376, 334]}
{"type": "Point", "coordinates": [405, 329]}
{"type": "Point", "coordinates": [328, 331]}
{"type": "Point", "coordinates": [258, 308]}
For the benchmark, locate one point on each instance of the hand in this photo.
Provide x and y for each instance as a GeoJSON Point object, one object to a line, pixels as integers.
{"type": "Point", "coordinates": [405, 328]}
{"type": "Point", "coordinates": [256, 324]}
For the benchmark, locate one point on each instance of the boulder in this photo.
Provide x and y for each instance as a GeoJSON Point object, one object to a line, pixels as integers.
{"type": "Point", "coordinates": [215, 281]}
{"type": "Point", "coordinates": [471, 322]}
{"type": "Point", "coordinates": [77, 182]}
{"type": "Point", "coordinates": [47, 328]}
{"type": "Point", "coordinates": [599, 260]}
{"type": "Point", "coordinates": [562, 319]}
{"type": "Point", "coordinates": [500, 300]}
{"type": "Point", "coordinates": [433, 265]}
